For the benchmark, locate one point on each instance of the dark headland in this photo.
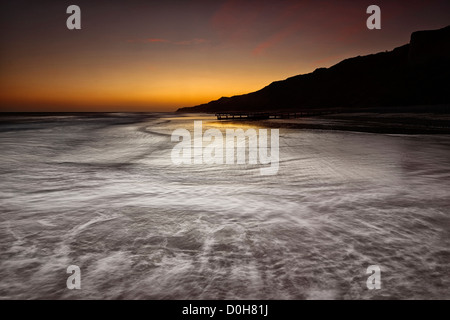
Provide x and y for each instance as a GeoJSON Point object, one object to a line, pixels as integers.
{"type": "Point", "coordinates": [413, 78]}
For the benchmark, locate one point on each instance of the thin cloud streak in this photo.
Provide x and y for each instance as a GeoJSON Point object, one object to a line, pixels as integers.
{"type": "Point", "coordinates": [277, 38]}
{"type": "Point", "coordinates": [195, 41]}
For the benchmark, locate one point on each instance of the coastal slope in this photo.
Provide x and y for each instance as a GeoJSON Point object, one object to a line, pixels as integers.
{"type": "Point", "coordinates": [417, 73]}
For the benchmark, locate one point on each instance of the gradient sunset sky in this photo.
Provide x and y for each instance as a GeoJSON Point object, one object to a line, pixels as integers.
{"type": "Point", "coordinates": [162, 55]}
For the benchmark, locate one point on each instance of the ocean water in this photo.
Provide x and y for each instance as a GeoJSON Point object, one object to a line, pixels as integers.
{"type": "Point", "coordinates": [102, 193]}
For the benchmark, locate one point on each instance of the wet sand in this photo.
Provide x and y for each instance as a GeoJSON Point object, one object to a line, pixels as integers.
{"type": "Point", "coordinates": [390, 123]}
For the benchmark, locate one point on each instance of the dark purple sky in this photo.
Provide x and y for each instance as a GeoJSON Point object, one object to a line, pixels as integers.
{"type": "Point", "coordinates": [161, 55]}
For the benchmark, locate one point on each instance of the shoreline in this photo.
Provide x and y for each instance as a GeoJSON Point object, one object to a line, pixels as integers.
{"type": "Point", "coordinates": [386, 123]}
{"type": "Point", "coordinates": [369, 122]}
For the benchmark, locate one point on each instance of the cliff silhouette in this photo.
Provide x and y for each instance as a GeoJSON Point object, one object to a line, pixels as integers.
{"type": "Point", "coordinates": [414, 74]}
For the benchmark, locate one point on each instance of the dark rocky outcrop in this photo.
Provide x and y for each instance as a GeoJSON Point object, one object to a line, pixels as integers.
{"type": "Point", "coordinates": [417, 73]}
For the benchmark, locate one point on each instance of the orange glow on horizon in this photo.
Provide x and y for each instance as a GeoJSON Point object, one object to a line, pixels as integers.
{"type": "Point", "coordinates": [126, 88]}
{"type": "Point", "coordinates": [163, 55]}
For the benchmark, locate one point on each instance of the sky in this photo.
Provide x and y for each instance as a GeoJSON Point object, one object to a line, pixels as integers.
{"type": "Point", "coordinates": [162, 55]}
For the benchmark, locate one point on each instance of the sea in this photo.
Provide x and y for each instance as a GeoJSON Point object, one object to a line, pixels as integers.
{"type": "Point", "coordinates": [100, 191]}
